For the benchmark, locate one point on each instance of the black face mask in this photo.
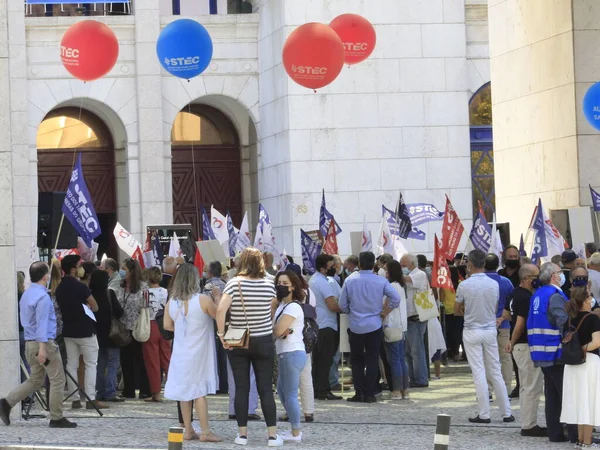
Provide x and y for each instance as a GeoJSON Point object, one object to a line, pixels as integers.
{"type": "Point", "coordinates": [282, 291]}
{"type": "Point", "coordinates": [536, 283]}
{"type": "Point", "coordinates": [331, 272]}
{"type": "Point", "coordinates": [512, 263]}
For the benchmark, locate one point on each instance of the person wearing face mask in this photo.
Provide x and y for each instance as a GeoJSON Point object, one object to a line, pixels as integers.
{"type": "Point", "coordinates": [111, 267]}
{"type": "Point", "coordinates": [511, 259]}
{"type": "Point", "coordinates": [327, 312]}
{"type": "Point", "coordinates": [416, 280]}
{"type": "Point", "coordinates": [532, 378]}
{"type": "Point", "coordinates": [79, 329]}
{"type": "Point", "coordinates": [288, 324]}
{"type": "Point", "coordinates": [545, 324]}
{"type": "Point", "coordinates": [340, 275]}
{"type": "Point", "coordinates": [568, 259]}
{"type": "Point", "coordinates": [39, 326]}
{"type": "Point", "coordinates": [351, 265]}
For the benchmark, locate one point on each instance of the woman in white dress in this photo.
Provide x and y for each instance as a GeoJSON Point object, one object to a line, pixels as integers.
{"type": "Point", "coordinates": [193, 369]}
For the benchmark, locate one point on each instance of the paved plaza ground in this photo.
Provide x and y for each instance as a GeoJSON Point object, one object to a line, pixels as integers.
{"type": "Point", "coordinates": [343, 425]}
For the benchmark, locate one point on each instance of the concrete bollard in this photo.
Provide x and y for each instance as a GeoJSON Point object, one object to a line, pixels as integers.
{"type": "Point", "coordinates": [175, 438]}
{"type": "Point", "coordinates": [442, 433]}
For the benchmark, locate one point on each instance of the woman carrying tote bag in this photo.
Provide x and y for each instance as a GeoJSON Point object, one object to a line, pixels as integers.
{"type": "Point", "coordinates": [249, 296]}
{"type": "Point", "coordinates": [394, 327]}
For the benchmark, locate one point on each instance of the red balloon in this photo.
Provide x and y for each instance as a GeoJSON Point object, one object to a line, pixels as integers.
{"type": "Point", "coordinates": [89, 50]}
{"type": "Point", "coordinates": [357, 35]}
{"type": "Point", "coordinates": [313, 55]}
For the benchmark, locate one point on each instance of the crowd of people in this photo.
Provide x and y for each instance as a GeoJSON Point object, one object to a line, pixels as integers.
{"type": "Point", "coordinates": [251, 330]}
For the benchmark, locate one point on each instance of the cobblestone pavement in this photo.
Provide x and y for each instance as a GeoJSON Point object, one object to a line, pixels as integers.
{"type": "Point", "coordinates": [397, 424]}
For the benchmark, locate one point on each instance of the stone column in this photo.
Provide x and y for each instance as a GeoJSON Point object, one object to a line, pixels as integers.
{"type": "Point", "coordinates": [11, 133]}
{"type": "Point", "coordinates": [147, 162]}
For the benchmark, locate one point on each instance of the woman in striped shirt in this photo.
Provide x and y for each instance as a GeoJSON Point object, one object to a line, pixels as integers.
{"type": "Point", "coordinates": [258, 295]}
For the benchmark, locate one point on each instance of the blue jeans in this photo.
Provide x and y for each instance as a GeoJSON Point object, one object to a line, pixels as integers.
{"type": "Point", "coordinates": [397, 358]}
{"type": "Point", "coordinates": [290, 366]}
{"type": "Point", "coordinates": [334, 373]}
{"type": "Point", "coordinates": [106, 375]}
{"type": "Point", "coordinates": [415, 353]}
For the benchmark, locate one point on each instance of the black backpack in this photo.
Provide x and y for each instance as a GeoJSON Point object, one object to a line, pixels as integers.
{"type": "Point", "coordinates": [310, 331]}
{"type": "Point", "coordinates": [160, 316]}
{"type": "Point", "coordinates": [572, 353]}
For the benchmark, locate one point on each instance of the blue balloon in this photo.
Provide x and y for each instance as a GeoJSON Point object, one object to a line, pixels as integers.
{"type": "Point", "coordinates": [591, 105]}
{"type": "Point", "coordinates": [184, 48]}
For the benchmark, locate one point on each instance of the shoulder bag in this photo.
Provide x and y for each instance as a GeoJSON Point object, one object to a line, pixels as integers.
{"type": "Point", "coordinates": [572, 351]}
{"type": "Point", "coordinates": [118, 332]}
{"type": "Point", "coordinates": [238, 337]}
{"type": "Point", "coordinates": [426, 305]}
{"type": "Point", "coordinates": [141, 330]}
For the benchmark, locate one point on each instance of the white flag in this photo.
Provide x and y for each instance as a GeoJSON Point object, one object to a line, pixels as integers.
{"type": "Point", "coordinates": [496, 246]}
{"type": "Point", "coordinates": [243, 238]}
{"type": "Point", "coordinates": [174, 248]}
{"type": "Point", "coordinates": [34, 252]}
{"type": "Point", "coordinates": [125, 240]}
{"type": "Point", "coordinates": [367, 242]}
{"type": "Point", "coordinates": [218, 223]}
{"type": "Point", "coordinates": [555, 241]}
{"type": "Point", "coordinates": [388, 243]}
{"type": "Point", "coordinates": [258, 239]}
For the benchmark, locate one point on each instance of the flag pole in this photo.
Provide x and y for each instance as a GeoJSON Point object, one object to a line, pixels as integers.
{"type": "Point", "coordinates": [597, 223]}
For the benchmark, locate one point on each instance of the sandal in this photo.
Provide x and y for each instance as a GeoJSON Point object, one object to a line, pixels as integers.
{"type": "Point", "coordinates": [210, 437]}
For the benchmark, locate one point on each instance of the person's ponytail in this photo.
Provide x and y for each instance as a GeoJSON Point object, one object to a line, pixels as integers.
{"type": "Point", "coordinates": [578, 297]}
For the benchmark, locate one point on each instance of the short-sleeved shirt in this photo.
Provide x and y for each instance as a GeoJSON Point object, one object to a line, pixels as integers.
{"type": "Point", "coordinates": [157, 299]}
{"type": "Point", "coordinates": [479, 293]}
{"type": "Point", "coordinates": [506, 288]}
{"type": "Point", "coordinates": [589, 327]}
{"type": "Point", "coordinates": [514, 278]}
{"type": "Point", "coordinates": [258, 294]}
{"type": "Point", "coordinates": [294, 341]}
{"type": "Point", "coordinates": [418, 283]}
{"type": "Point", "coordinates": [71, 295]}
{"type": "Point", "coordinates": [322, 289]}
{"type": "Point", "coordinates": [518, 306]}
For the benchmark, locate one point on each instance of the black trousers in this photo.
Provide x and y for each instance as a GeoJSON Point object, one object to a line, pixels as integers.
{"type": "Point", "coordinates": [134, 370]}
{"type": "Point", "coordinates": [454, 329]}
{"type": "Point", "coordinates": [553, 389]}
{"type": "Point", "coordinates": [323, 354]}
{"type": "Point", "coordinates": [260, 354]}
{"type": "Point", "coordinates": [222, 366]}
{"type": "Point", "coordinates": [364, 353]}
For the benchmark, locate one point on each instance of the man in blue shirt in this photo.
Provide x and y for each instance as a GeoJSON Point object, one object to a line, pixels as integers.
{"type": "Point", "coordinates": [362, 298]}
{"type": "Point", "coordinates": [39, 323]}
{"type": "Point", "coordinates": [327, 312]}
{"type": "Point", "coordinates": [506, 289]}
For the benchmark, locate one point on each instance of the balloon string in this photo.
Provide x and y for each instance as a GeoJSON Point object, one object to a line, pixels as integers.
{"type": "Point", "coordinates": [194, 175]}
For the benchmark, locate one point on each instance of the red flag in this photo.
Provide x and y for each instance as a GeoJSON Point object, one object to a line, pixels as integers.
{"type": "Point", "coordinates": [440, 271]}
{"type": "Point", "coordinates": [330, 247]}
{"type": "Point", "coordinates": [137, 254]}
{"type": "Point", "coordinates": [148, 254]}
{"type": "Point", "coordinates": [199, 262]}
{"type": "Point", "coordinates": [452, 230]}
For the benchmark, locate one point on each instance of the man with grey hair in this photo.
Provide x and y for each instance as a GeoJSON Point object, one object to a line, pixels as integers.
{"type": "Point", "coordinates": [594, 275]}
{"type": "Point", "coordinates": [416, 280]}
{"type": "Point", "coordinates": [531, 378]}
{"type": "Point", "coordinates": [112, 268]}
{"type": "Point", "coordinates": [169, 269]}
{"type": "Point", "coordinates": [477, 300]}
{"type": "Point", "coordinates": [545, 324]}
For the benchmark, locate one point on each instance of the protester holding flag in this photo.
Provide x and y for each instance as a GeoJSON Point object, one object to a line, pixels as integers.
{"type": "Point", "coordinates": [454, 323]}
{"type": "Point", "coordinates": [131, 297]}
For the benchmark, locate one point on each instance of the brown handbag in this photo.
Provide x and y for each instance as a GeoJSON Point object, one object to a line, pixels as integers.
{"type": "Point", "coordinates": [238, 337]}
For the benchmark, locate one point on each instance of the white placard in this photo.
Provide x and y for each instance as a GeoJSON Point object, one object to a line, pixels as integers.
{"type": "Point", "coordinates": [211, 251]}
{"type": "Point", "coordinates": [580, 222]}
{"type": "Point", "coordinates": [88, 312]}
{"type": "Point", "coordinates": [356, 239]}
{"type": "Point", "coordinates": [344, 338]}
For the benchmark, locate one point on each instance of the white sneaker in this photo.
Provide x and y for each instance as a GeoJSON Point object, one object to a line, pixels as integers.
{"type": "Point", "coordinates": [277, 442]}
{"type": "Point", "coordinates": [289, 437]}
{"type": "Point", "coordinates": [196, 427]}
{"type": "Point", "coordinates": [241, 440]}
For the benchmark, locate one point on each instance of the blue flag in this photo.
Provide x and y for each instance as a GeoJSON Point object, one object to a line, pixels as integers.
{"type": "Point", "coordinates": [414, 233]}
{"type": "Point", "coordinates": [263, 217]}
{"type": "Point", "coordinates": [78, 207]}
{"type": "Point", "coordinates": [159, 256]}
{"type": "Point", "coordinates": [522, 251]}
{"type": "Point", "coordinates": [232, 235]}
{"type": "Point", "coordinates": [481, 233]}
{"type": "Point", "coordinates": [422, 213]}
{"type": "Point", "coordinates": [310, 250]}
{"type": "Point", "coordinates": [595, 199]}
{"type": "Point", "coordinates": [403, 218]}
{"type": "Point", "coordinates": [325, 217]}
{"type": "Point", "coordinates": [207, 232]}
{"type": "Point", "coordinates": [540, 245]}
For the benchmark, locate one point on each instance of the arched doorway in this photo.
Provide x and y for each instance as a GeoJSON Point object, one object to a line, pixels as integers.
{"type": "Point", "coordinates": [206, 165]}
{"type": "Point", "coordinates": [65, 132]}
{"type": "Point", "coordinates": [482, 151]}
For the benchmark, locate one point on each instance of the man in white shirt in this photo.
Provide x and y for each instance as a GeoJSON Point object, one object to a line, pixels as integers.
{"type": "Point", "coordinates": [594, 274]}
{"type": "Point", "coordinates": [416, 280]}
{"type": "Point", "coordinates": [477, 300]}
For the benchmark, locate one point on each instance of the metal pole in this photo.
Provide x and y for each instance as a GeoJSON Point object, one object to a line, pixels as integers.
{"type": "Point", "coordinates": [175, 438]}
{"type": "Point", "coordinates": [441, 440]}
